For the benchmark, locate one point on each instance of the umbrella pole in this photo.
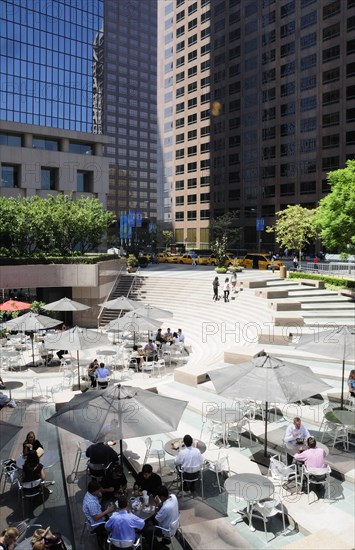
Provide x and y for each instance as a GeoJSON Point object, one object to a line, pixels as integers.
{"type": "Point", "coordinates": [265, 429]}
{"type": "Point", "coordinates": [77, 356]}
{"type": "Point", "coordinates": [33, 349]}
{"type": "Point", "coordinates": [342, 385]}
{"type": "Point", "coordinates": [121, 452]}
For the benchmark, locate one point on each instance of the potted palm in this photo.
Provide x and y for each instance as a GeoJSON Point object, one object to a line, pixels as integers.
{"type": "Point", "coordinates": [132, 263]}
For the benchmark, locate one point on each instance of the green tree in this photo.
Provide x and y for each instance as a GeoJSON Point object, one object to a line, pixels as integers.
{"type": "Point", "coordinates": [294, 227]}
{"type": "Point", "coordinates": [335, 216]}
{"type": "Point", "coordinates": [219, 249]}
{"type": "Point", "coordinates": [226, 226]}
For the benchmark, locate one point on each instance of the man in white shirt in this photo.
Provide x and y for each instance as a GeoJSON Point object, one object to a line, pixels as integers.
{"type": "Point", "coordinates": [294, 432]}
{"type": "Point", "coordinates": [181, 336]}
{"type": "Point", "coordinates": [189, 460]}
{"type": "Point", "coordinates": [168, 511]}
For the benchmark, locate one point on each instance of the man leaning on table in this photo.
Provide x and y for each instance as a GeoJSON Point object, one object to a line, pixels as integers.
{"type": "Point", "coordinates": [295, 432]}
{"type": "Point", "coordinates": [94, 514]}
{"type": "Point", "coordinates": [313, 457]}
{"type": "Point", "coordinates": [190, 461]}
{"type": "Point", "coordinates": [122, 524]}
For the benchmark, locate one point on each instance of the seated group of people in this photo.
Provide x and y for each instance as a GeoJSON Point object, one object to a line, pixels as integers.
{"type": "Point", "coordinates": [122, 524]}
{"type": "Point", "coordinates": [98, 374]}
{"type": "Point", "coordinates": [312, 456]}
{"type": "Point", "coordinates": [169, 337]}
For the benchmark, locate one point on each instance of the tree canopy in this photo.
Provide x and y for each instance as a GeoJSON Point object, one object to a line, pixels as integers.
{"type": "Point", "coordinates": [335, 216]}
{"type": "Point", "coordinates": [294, 227]}
{"type": "Point", "coordinates": [225, 226]}
{"type": "Point", "coordinates": [56, 225]}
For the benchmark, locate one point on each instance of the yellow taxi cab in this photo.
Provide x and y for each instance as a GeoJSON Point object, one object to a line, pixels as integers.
{"type": "Point", "coordinates": [260, 261]}
{"type": "Point", "coordinates": [200, 260]}
{"type": "Point", "coordinates": [229, 261]}
{"type": "Point", "coordinates": [167, 257]}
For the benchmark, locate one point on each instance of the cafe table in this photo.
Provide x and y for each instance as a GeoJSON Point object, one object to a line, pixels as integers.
{"type": "Point", "coordinates": [251, 488]}
{"type": "Point", "coordinates": [172, 448]}
{"type": "Point", "coordinates": [13, 385]}
{"type": "Point", "coordinates": [293, 448]}
{"type": "Point", "coordinates": [26, 544]}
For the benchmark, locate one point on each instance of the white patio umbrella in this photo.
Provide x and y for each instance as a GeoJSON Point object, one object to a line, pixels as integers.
{"type": "Point", "coordinates": [65, 304]}
{"type": "Point", "coordinates": [77, 339]}
{"type": "Point", "coordinates": [147, 310]}
{"type": "Point", "coordinates": [120, 303]}
{"type": "Point", "coordinates": [132, 322]}
{"type": "Point", "coordinates": [269, 380]}
{"type": "Point", "coordinates": [338, 342]}
{"type": "Point", "coordinates": [120, 412]}
{"type": "Point", "coordinates": [32, 322]}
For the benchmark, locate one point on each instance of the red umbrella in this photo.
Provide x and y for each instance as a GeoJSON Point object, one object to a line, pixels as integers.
{"type": "Point", "coordinates": [14, 305]}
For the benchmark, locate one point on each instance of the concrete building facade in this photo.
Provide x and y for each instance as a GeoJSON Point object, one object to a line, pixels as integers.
{"type": "Point", "coordinates": [257, 104]}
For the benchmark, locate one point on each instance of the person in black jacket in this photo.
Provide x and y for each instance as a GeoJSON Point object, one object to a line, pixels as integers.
{"type": "Point", "coordinates": [147, 480]}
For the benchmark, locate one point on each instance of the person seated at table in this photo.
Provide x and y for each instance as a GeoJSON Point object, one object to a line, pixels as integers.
{"type": "Point", "coordinates": [95, 516]}
{"type": "Point", "coordinates": [150, 350]}
{"type": "Point", "coordinates": [101, 375]}
{"type": "Point", "coordinates": [32, 444]}
{"type": "Point", "coordinates": [168, 512]}
{"type": "Point", "coordinates": [91, 372]}
{"type": "Point", "coordinates": [100, 453]}
{"type": "Point", "coordinates": [4, 400]}
{"type": "Point", "coordinates": [175, 340]}
{"type": "Point", "coordinates": [2, 384]}
{"type": "Point", "coordinates": [122, 524]}
{"type": "Point", "coordinates": [115, 482]}
{"type": "Point", "coordinates": [313, 457]}
{"type": "Point", "coordinates": [168, 335]}
{"type": "Point", "coordinates": [295, 432]}
{"type": "Point", "coordinates": [8, 538]}
{"type": "Point", "coordinates": [190, 461]}
{"type": "Point", "coordinates": [159, 336]}
{"type": "Point", "coordinates": [32, 470]}
{"type": "Point", "coordinates": [351, 383]}
{"type": "Point", "coordinates": [136, 357]}
{"type": "Point", "coordinates": [147, 480]}
{"type": "Point", "coordinates": [181, 336]}
{"type": "Point", "coordinates": [43, 539]}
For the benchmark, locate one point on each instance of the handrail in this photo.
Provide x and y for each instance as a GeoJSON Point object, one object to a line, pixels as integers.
{"type": "Point", "coordinates": [133, 281]}
{"type": "Point", "coordinates": [108, 295]}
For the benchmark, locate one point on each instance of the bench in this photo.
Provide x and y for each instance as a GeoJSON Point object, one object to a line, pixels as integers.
{"type": "Point", "coordinates": [312, 282]}
{"type": "Point", "coordinates": [289, 305]}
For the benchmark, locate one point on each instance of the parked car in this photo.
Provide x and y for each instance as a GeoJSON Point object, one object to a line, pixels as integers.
{"type": "Point", "coordinates": [261, 261]}
{"type": "Point", "coordinates": [230, 260]}
{"type": "Point", "coordinates": [167, 257]}
{"type": "Point", "coordinates": [187, 259]}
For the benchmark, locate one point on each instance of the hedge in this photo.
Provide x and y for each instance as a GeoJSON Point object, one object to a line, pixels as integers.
{"type": "Point", "coordinates": [94, 259]}
{"type": "Point", "coordinates": [332, 280]}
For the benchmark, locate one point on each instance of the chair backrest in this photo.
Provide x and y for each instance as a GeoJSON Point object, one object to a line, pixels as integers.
{"type": "Point", "coordinates": [277, 468]}
{"type": "Point", "coordinates": [148, 442]}
{"type": "Point", "coordinates": [317, 471]}
{"type": "Point", "coordinates": [269, 507]}
{"type": "Point", "coordinates": [174, 526]}
{"type": "Point", "coordinates": [122, 543]}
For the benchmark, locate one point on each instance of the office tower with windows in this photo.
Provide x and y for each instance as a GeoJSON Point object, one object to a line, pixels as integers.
{"type": "Point", "coordinates": [256, 105]}
{"type": "Point", "coordinates": [78, 100]}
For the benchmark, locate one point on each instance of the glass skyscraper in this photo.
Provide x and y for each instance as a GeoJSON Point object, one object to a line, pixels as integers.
{"type": "Point", "coordinates": [46, 62]}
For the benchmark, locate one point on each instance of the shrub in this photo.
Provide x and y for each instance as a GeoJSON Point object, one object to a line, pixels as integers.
{"type": "Point", "coordinates": [331, 280]}
{"type": "Point", "coordinates": [132, 261]}
{"type": "Point", "coordinates": [220, 269]}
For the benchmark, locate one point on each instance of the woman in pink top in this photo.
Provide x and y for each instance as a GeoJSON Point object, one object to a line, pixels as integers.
{"type": "Point", "coordinates": [313, 457]}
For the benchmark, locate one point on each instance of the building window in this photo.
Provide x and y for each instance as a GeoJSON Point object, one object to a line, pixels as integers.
{"type": "Point", "coordinates": [13, 140]}
{"type": "Point", "coordinates": [330, 163]}
{"type": "Point", "coordinates": [10, 175]}
{"type": "Point", "coordinates": [191, 151]}
{"type": "Point", "coordinates": [179, 154]}
{"type": "Point", "coordinates": [307, 187]}
{"type": "Point", "coordinates": [179, 169]}
{"type": "Point", "coordinates": [331, 97]}
{"type": "Point", "coordinates": [205, 114]}
{"type": "Point", "coordinates": [191, 199]}
{"type": "Point", "coordinates": [350, 115]}
{"type": "Point", "coordinates": [191, 119]}
{"type": "Point", "coordinates": [288, 68]}
{"type": "Point", "coordinates": [269, 133]}
{"type": "Point", "coordinates": [308, 145]}
{"type": "Point", "coordinates": [269, 191]}
{"type": "Point", "coordinates": [350, 138]}
{"type": "Point", "coordinates": [192, 215]}
{"type": "Point", "coordinates": [331, 9]}
{"type": "Point", "coordinates": [288, 108]}
{"type": "Point", "coordinates": [204, 214]}
{"type": "Point", "coordinates": [308, 124]}
{"type": "Point", "coordinates": [328, 142]}
{"type": "Point", "coordinates": [179, 216]}
{"type": "Point", "coordinates": [205, 65]}
{"type": "Point", "coordinates": [180, 46]}
{"type": "Point", "coordinates": [179, 77]}
{"type": "Point", "coordinates": [308, 62]}
{"type": "Point", "coordinates": [205, 49]}
{"type": "Point", "coordinates": [180, 123]}
{"type": "Point", "coordinates": [269, 152]}
{"type": "Point", "coordinates": [192, 183]}
{"type": "Point", "coordinates": [180, 107]}
{"type": "Point", "coordinates": [180, 61]}
{"type": "Point", "coordinates": [332, 75]}
{"type": "Point", "coordinates": [84, 181]}
{"type": "Point", "coordinates": [331, 119]}
{"type": "Point", "coordinates": [331, 53]}
{"type": "Point", "coordinates": [205, 147]}
{"type": "Point", "coordinates": [308, 103]}
{"type": "Point", "coordinates": [180, 31]}
{"type": "Point", "coordinates": [287, 189]}
{"type": "Point", "coordinates": [192, 56]}
{"type": "Point", "coordinates": [205, 164]}
{"type": "Point", "coordinates": [191, 9]}
{"type": "Point", "coordinates": [179, 201]}
{"type": "Point", "coordinates": [192, 134]}
{"type": "Point", "coordinates": [192, 24]}
{"type": "Point", "coordinates": [308, 41]}
{"type": "Point", "coordinates": [47, 144]}
{"type": "Point", "coordinates": [49, 178]}
{"type": "Point", "coordinates": [179, 185]}
{"type": "Point", "coordinates": [350, 47]}
{"type": "Point", "coordinates": [287, 49]}
{"type": "Point", "coordinates": [192, 103]}
{"type": "Point", "coordinates": [309, 20]}
{"type": "Point", "coordinates": [308, 82]}
{"type": "Point", "coordinates": [180, 91]}
{"type": "Point", "coordinates": [288, 89]}
{"type": "Point", "coordinates": [331, 32]}
{"type": "Point", "coordinates": [287, 149]}
{"type": "Point", "coordinates": [192, 71]}
{"type": "Point", "coordinates": [192, 167]}
{"type": "Point", "coordinates": [192, 40]}
{"type": "Point", "coordinates": [205, 17]}
{"type": "Point", "coordinates": [180, 16]}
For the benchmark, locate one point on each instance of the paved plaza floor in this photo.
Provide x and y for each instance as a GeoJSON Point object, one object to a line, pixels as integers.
{"type": "Point", "coordinates": [206, 524]}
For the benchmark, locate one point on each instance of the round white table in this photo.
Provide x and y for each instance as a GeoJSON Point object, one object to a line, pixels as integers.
{"type": "Point", "coordinates": [172, 449]}
{"type": "Point", "coordinates": [250, 488]}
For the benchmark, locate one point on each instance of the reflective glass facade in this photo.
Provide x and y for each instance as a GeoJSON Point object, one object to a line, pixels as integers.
{"type": "Point", "coordinates": [49, 62]}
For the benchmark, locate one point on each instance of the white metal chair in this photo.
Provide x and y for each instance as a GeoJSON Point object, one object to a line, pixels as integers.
{"type": "Point", "coordinates": [87, 530]}
{"type": "Point", "coordinates": [217, 431]}
{"type": "Point", "coordinates": [9, 473]}
{"type": "Point", "coordinates": [80, 455]}
{"type": "Point", "coordinates": [159, 366]}
{"type": "Point", "coordinates": [316, 476]}
{"type": "Point", "coordinates": [193, 477]}
{"type": "Point", "coordinates": [338, 432]}
{"type": "Point", "coordinates": [35, 388]}
{"type": "Point", "coordinates": [351, 402]}
{"type": "Point", "coordinates": [268, 508]}
{"type": "Point", "coordinates": [170, 533]}
{"type": "Point", "coordinates": [154, 449]}
{"type": "Point", "coordinates": [219, 466]}
{"type": "Point", "coordinates": [25, 529]}
{"type": "Point", "coordinates": [280, 472]}
{"type": "Point", "coordinates": [29, 490]}
{"type": "Point", "coordinates": [125, 543]}
{"type": "Point", "coordinates": [237, 429]}
{"type": "Point", "coordinates": [97, 471]}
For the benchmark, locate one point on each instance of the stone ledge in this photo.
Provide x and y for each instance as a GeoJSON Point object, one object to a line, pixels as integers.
{"type": "Point", "coordinates": [270, 294]}
{"type": "Point", "coordinates": [290, 305]}
{"type": "Point", "coordinates": [282, 319]}
{"type": "Point", "coordinates": [312, 282]}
